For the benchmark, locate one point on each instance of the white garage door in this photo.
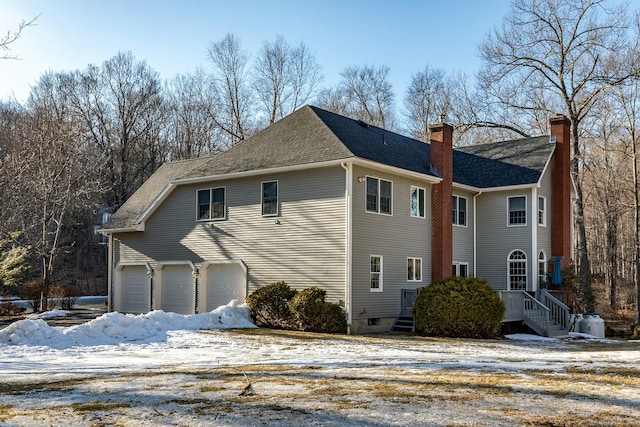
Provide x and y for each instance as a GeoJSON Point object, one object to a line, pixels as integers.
{"type": "Point", "coordinates": [177, 289]}
{"type": "Point", "coordinates": [224, 282]}
{"type": "Point", "coordinates": [134, 290]}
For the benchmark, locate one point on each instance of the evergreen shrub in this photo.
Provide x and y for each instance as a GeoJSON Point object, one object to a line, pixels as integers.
{"type": "Point", "coordinates": [312, 313]}
{"type": "Point", "coordinates": [269, 306]}
{"type": "Point", "coordinates": [278, 306]}
{"type": "Point", "coordinates": [458, 307]}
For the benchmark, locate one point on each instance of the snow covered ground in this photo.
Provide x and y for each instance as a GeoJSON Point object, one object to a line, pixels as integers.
{"type": "Point", "coordinates": [217, 369]}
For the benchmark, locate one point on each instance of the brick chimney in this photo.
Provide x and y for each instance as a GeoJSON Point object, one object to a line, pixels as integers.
{"type": "Point", "coordinates": [441, 140]}
{"type": "Point", "coordinates": [561, 238]}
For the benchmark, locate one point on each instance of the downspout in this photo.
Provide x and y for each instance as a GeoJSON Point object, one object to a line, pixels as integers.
{"type": "Point", "coordinates": [109, 272]}
{"type": "Point", "coordinates": [348, 249]}
{"type": "Point", "coordinates": [534, 239]}
{"type": "Point", "coordinates": [475, 235]}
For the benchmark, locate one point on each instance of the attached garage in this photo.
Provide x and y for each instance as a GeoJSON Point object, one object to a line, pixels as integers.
{"type": "Point", "coordinates": [133, 288]}
{"type": "Point", "coordinates": [175, 288]}
{"type": "Point", "coordinates": [221, 282]}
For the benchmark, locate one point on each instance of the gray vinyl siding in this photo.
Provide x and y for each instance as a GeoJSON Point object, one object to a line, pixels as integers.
{"type": "Point", "coordinates": [394, 237]}
{"type": "Point", "coordinates": [463, 235]}
{"type": "Point", "coordinates": [495, 240]}
{"type": "Point", "coordinates": [304, 245]}
{"type": "Point", "coordinates": [544, 233]}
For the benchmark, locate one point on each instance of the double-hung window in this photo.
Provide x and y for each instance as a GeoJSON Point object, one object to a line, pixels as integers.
{"type": "Point", "coordinates": [460, 269]}
{"type": "Point", "coordinates": [379, 195]}
{"type": "Point", "coordinates": [414, 269]}
{"type": "Point", "coordinates": [270, 198]}
{"type": "Point", "coordinates": [459, 210]}
{"type": "Point", "coordinates": [212, 204]}
{"type": "Point", "coordinates": [418, 202]}
{"type": "Point", "coordinates": [542, 216]}
{"type": "Point", "coordinates": [375, 273]}
{"type": "Point", "coordinates": [518, 210]}
{"type": "Point", "coordinates": [542, 268]}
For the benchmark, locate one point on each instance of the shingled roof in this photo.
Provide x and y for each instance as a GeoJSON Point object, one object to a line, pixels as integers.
{"type": "Point", "coordinates": [312, 135]}
{"type": "Point", "coordinates": [502, 164]}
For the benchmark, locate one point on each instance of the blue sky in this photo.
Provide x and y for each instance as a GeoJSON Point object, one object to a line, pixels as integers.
{"type": "Point", "coordinates": [172, 36]}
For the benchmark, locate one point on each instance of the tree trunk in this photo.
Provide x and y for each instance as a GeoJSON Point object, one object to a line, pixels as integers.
{"type": "Point", "coordinates": [636, 194]}
{"type": "Point", "coordinates": [584, 265]}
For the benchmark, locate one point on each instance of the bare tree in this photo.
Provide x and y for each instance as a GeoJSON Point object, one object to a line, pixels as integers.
{"type": "Point", "coordinates": [190, 132]}
{"type": "Point", "coordinates": [286, 77]}
{"type": "Point", "coordinates": [229, 91]}
{"type": "Point", "coordinates": [571, 50]}
{"type": "Point", "coordinates": [364, 93]}
{"type": "Point", "coordinates": [427, 101]}
{"type": "Point", "coordinates": [11, 36]}
{"type": "Point", "coordinates": [120, 106]}
{"type": "Point", "coordinates": [624, 105]}
{"type": "Point", "coordinates": [52, 174]}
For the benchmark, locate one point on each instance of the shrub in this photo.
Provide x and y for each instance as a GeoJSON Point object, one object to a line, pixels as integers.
{"type": "Point", "coordinates": [32, 292]}
{"type": "Point", "coordinates": [7, 308]}
{"type": "Point", "coordinates": [312, 313]}
{"type": "Point", "coordinates": [65, 296]}
{"type": "Point", "coordinates": [458, 307]}
{"type": "Point", "coordinates": [269, 305]}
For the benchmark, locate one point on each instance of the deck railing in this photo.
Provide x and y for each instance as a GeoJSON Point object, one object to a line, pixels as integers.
{"type": "Point", "coordinates": [558, 312]}
{"type": "Point", "coordinates": [536, 315]}
{"type": "Point", "coordinates": [514, 303]}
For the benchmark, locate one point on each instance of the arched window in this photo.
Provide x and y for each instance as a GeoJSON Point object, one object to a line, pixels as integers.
{"type": "Point", "coordinates": [542, 268]}
{"type": "Point", "coordinates": [517, 268]}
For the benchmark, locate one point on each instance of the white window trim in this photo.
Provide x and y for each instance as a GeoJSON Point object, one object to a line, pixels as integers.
{"type": "Point", "coordinates": [414, 269]}
{"type": "Point", "coordinates": [526, 217]}
{"type": "Point", "coordinates": [544, 212]}
{"type": "Point", "coordinates": [224, 217]}
{"type": "Point", "coordinates": [377, 212]}
{"type": "Point", "coordinates": [526, 269]}
{"type": "Point", "coordinates": [277, 198]}
{"type": "Point", "coordinates": [457, 264]}
{"type": "Point", "coordinates": [380, 288]}
{"type": "Point", "coordinates": [458, 210]}
{"type": "Point", "coordinates": [424, 204]}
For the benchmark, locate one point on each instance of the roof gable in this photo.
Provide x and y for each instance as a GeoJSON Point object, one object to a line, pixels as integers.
{"type": "Point", "coordinates": [502, 164]}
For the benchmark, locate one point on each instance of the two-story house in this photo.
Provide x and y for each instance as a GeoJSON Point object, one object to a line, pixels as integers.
{"type": "Point", "coordinates": [318, 199]}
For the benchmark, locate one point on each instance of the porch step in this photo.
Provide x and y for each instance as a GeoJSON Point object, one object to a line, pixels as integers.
{"type": "Point", "coordinates": [404, 323]}
{"type": "Point", "coordinates": [556, 330]}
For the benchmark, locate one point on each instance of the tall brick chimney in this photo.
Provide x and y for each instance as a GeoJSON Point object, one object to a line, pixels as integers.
{"type": "Point", "coordinates": [441, 140]}
{"type": "Point", "coordinates": [561, 238]}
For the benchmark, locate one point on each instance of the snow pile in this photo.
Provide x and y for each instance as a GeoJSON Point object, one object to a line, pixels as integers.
{"type": "Point", "coordinates": [115, 328]}
{"type": "Point", "coordinates": [49, 314]}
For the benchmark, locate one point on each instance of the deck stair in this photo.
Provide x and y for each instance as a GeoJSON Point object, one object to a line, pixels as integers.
{"type": "Point", "coordinates": [542, 312]}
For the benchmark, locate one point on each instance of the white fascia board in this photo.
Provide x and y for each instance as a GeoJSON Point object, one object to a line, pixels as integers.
{"type": "Point", "coordinates": [395, 170]}
{"type": "Point", "coordinates": [510, 187]}
{"type": "Point", "coordinates": [465, 187]}
{"type": "Point", "coordinates": [154, 205]}
{"type": "Point", "coordinates": [108, 231]}
{"type": "Point", "coordinates": [546, 167]}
